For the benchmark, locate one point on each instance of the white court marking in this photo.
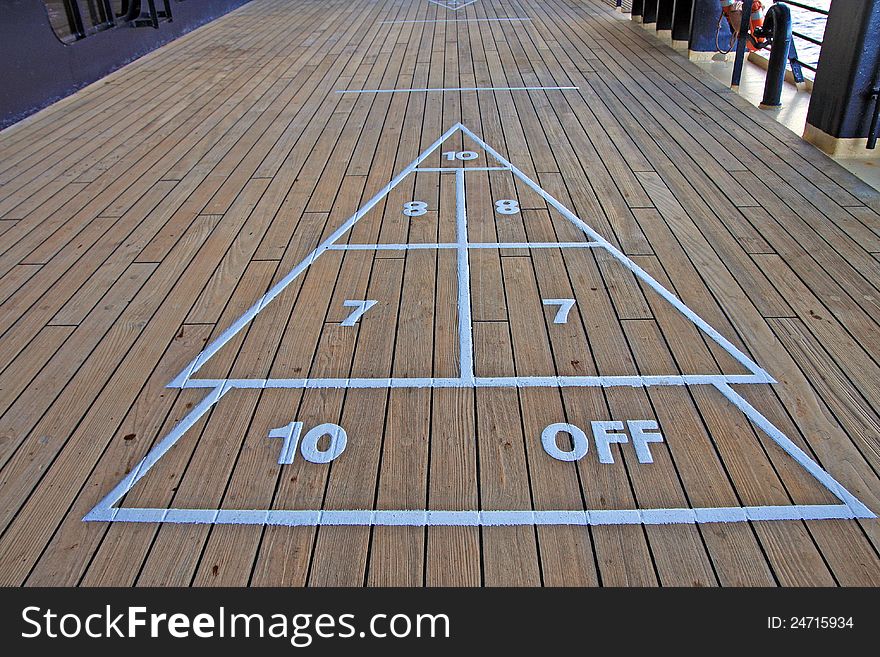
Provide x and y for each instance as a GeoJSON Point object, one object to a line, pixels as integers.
{"type": "Point", "coordinates": [453, 5]}
{"type": "Point", "coordinates": [105, 510]}
{"type": "Point", "coordinates": [460, 20]}
{"type": "Point", "coordinates": [445, 89]}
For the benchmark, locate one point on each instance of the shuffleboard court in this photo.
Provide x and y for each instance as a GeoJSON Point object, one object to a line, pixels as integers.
{"type": "Point", "coordinates": [432, 293]}
{"type": "Point", "coordinates": [432, 341]}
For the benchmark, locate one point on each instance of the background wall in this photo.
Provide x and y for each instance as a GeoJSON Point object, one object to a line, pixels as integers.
{"type": "Point", "coordinates": [36, 68]}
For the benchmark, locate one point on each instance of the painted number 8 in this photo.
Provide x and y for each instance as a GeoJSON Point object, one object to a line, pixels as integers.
{"type": "Point", "coordinates": [415, 208]}
{"type": "Point", "coordinates": [507, 206]}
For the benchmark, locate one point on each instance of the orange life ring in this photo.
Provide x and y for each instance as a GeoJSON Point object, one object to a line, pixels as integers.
{"type": "Point", "coordinates": [732, 11]}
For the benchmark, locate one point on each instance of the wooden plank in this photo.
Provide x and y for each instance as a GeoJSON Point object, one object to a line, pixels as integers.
{"type": "Point", "coordinates": [21, 417]}
{"type": "Point", "coordinates": [736, 554]}
{"type": "Point", "coordinates": [510, 554]}
{"type": "Point", "coordinates": [76, 546]}
{"type": "Point", "coordinates": [82, 444]}
{"type": "Point", "coordinates": [566, 552]}
{"type": "Point", "coordinates": [15, 278]}
{"type": "Point", "coordinates": [340, 554]}
{"type": "Point", "coordinates": [22, 371]}
{"type": "Point", "coordinates": [753, 282]}
{"type": "Point", "coordinates": [397, 553]}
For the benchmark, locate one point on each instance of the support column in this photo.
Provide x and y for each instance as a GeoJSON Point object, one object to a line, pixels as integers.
{"type": "Point", "coordinates": [665, 8]}
{"type": "Point", "coordinates": [649, 14]}
{"type": "Point", "coordinates": [637, 9]}
{"type": "Point", "coordinates": [704, 27]}
{"type": "Point", "coordinates": [841, 107]}
{"type": "Point", "coordinates": [681, 23]}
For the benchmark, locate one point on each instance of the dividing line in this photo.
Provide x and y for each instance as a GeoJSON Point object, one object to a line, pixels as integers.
{"type": "Point", "coordinates": [481, 382]}
{"type": "Point", "coordinates": [454, 5]}
{"type": "Point", "coordinates": [470, 245]}
{"type": "Point", "coordinates": [465, 329]}
{"type": "Point", "coordinates": [449, 169]}
{"type": "Point", "coordinates": [459, 20]}
{"type": "Point", "coordinates": [443, 89]}
{"type": "Point", "coordinates": [391, 247]}
{"type": "Point", "coordinates": [534, 245]}
{"type": "Point", "coordinates": [431, 518]}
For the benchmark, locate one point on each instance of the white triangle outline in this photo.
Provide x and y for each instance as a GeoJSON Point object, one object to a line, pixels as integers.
{"type": "Point", "coordinates": [451, 8]}
{"type": "Point", "coordinates": [849, 508]}
{"type": "Point", "coordinates": [184, 378]}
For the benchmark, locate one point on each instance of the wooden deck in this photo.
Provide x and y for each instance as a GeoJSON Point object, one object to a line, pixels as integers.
{"type": "Point", "coordinates": [142, 217]}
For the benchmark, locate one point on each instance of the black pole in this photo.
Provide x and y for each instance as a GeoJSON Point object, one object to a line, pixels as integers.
{"type": "Point", "coordinates": [665, 9]}
{"type": "Point", "coordinates": [744, 26]}
{"type": "Point", "coordinates": [637, 8]}
{"type": "Point", "coordinates": [778, 22]}
{"type": "Point", "coordinates": [649, 11]}
{"type": "Point", "coordinates": [681, 20]}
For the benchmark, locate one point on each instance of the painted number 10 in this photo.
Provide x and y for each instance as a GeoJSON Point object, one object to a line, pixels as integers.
{"type": "Point", "coordinates": [310, 448]}
{"type": "Point", "coordinates": [460, 155]}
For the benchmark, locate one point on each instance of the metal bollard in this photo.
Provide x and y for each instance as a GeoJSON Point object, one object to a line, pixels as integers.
{"type": "Point", "coordinates": [777, 25]}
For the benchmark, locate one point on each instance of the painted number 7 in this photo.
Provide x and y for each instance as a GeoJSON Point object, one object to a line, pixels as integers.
{"type": "Point", "coordinates": [360, 307]}
{"type": "Point", "coordinates": [565, 305]}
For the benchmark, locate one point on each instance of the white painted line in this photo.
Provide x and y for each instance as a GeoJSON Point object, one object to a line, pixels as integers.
{"type": "Point", "coordinates": [450, 89]}
{"type": "Point", "coordinates": [533, 245]}
{"type": "Point", "coordinates": [465, 329]}
{"type": "Point", "coordinates": [452, 169]}
{"type": "Point", "coordinates": [453, 5]}
{"type": "Point", "coordinates": [431, 518]}
{"type": "Point", "coordinates": [159, 449]}
{"type": "Point", "coordinates": [459, 20]}
{"type": "Point", "coordinates": [470, 245]}
{"type": "Point", "coordinates": [482, 382]}
{"type": "Point", "coordinates": [796, 452]}
{"type": "Point", "coordinates": [392, 247]}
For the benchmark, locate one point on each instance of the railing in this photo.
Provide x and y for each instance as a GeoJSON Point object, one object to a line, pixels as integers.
{"type": "Point", "coordinates": [800, 35]}
{"type": "Point", "coordinates": [73, 20]}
